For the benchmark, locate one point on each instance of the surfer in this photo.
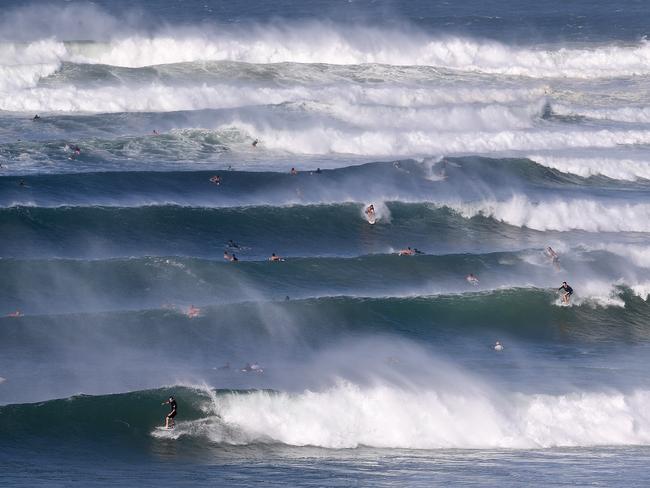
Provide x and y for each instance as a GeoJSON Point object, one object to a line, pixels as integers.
{"type": "Point", "coordinates": [36, 117]}
{"type": "Point", "coordinates": [472, 279]}
{"type": "Point", "coordinates": [15, 314]}
{"type": "Point", "coordinates": [255, 143]}
{"type": "Point", "coordinates": [193, 312]}
{"type": "Point", "coordinates": [318, 171]}
{"type": "Point", "coordinates": [294, 172]}
{"type": "Point", "coordinates": [216, 179]}
{"type": "Point", "coordinates": [227, 256]}
{"type": "Point", "coordinates": [169, 418]}
{"type": "Point", "coordinates": [252, 368]}
{"type": "Point", "coordinates": [498, 347]}
{"type": "Point", "coordinates": [275, 258]}
{"type": "Point", "coordinates": [370, 211]}
{"type": "Point", "coordinates": [155, 132]}
{"type": "Point", "coordinates": [568, 291]}
{"type": "Point", "coordinates": [406, 252]}
{"type": "Point", "coordinates": [21, 183]}
{"type": "Point", "coordinates": [552, 255]}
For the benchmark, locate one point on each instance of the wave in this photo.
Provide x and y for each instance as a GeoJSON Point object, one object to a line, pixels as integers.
{"type": "Point", "coordinates": [405, 181]}
{"type": "Point", "coordinates": [313, 230]}
{"type": "Point", "coordinates": [600, 312]}
{"type": "Point", "coordinates": [340, 417]}
{"type": "Point", "coordinates": [320, 137]}
{"type": "Point", "coordinates": [587, 215]}
{"type": "Point", "coordinates": [313, 42]}
{"type": "Point", "coordinates": [620, 114]}
{"type": "Point", "coordinates": [615, 168]}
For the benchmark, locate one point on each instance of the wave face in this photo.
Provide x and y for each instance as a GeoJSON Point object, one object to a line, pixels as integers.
{"type": "Point", "coordinates": [189, 215]}
{"type": "Point", "coordinates": [341, 417]}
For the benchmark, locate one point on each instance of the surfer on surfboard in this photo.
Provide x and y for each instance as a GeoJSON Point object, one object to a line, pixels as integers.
{"type": "Point", "coordinates": [472, 279]}
{"type": "Point", "coordinates": [568, 291]}
{"type": "Point", "coordinates": [370, 213]}
{"type": "Point", "coordinates": [169, 418]}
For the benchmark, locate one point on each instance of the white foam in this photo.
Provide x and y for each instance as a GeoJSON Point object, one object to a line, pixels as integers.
{"type": "Point", "coordinates": [621, 114]}
{"type": "Point", "coordinates": [619, 169]}
{"type": "Point", "coordinates": [642, 290]}
{"type": "Point", "coordinates": [560, 215]}
{"type": "Point", "coordinates": [340, 100]}
{"type": "Point", "coordinates": [348, 416]}
{"type": "Point", "coordinates": [315, 42]}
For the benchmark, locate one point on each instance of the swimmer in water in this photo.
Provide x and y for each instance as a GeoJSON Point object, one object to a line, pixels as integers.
{"type": "Point", "coordinates": [169, 418]}
{"type": "Point", "coordinates": [406, 252]}
{"type": "Point", "coordinates": [568, 291]}
{"type": "Point", "coordinates": [498, 347]}
{"type": "Point", "coordinates": [294, 172]}
{"type": "Point", "coordinates": [275, 258]}
{"type": "Point", "coordinates": [22, 183]}
{"type": "Point", "coordinates": [216, 179]}
{"type": "Point", "coordinates": [472, 279]}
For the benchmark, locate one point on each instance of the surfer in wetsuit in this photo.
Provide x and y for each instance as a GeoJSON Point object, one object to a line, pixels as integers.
{"type": "Point", "coordinates": [169, 418]}
{"type": "Point", "coordinates": [568, 291]}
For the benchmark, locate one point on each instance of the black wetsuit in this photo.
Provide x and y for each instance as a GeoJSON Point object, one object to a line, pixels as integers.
{"type": "Point", "coordinates": [567, 289]}
{"type": "Point", "coordinates": [173, 411]}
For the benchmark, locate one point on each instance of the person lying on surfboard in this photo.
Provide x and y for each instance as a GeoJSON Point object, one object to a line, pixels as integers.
{"type": "Point", "coordinates": [407, 252]}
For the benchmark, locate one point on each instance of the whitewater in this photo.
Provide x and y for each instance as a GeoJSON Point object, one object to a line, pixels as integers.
{"type": "Point", "coordinates": [154, 155]}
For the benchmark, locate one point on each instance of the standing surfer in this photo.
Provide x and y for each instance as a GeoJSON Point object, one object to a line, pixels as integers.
{"type": "Point", "coordinates": [568, 291]}
{"type": "Point", "coordinates": [169, 418]}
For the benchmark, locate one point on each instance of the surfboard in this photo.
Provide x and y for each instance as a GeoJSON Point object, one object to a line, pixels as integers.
{"type": "Point", "coordinates": [372, 220]}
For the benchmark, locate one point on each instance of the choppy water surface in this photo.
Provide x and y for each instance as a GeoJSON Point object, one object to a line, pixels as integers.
{"type": "Point", "coordinates": [482, 133]}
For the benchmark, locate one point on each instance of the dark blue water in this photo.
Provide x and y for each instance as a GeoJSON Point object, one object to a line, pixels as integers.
{"type": "Point", "coordinates": [500, 140]}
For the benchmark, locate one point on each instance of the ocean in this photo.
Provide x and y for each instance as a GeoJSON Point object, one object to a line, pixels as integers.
{"type": "Point", "coordinates": [504, 144]}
